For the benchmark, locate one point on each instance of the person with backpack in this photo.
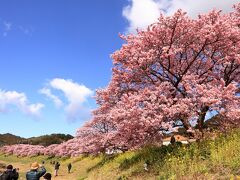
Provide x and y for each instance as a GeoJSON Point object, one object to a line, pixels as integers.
{"type": "Point", "coordinates": [9, 174]}
{"type": "Point", "coordinates": [35, 172]}
{"type": "Point", "coordinates": [56, 167]}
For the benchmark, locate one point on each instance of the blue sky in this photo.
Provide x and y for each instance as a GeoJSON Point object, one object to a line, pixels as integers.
{"type": "Point", "coordinates": [60, 50]}
{"type": "Point", "coordinates": [54, 39]}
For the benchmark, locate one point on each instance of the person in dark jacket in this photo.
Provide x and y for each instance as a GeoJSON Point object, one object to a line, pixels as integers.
{"type": "Point", "coordinates": [9, 174]}
{"type": "Point", "coordinates": [69, 167]}
{"type": "Point", "coordinates": [172, 140]}
{"type": "Point", "coordinates": [47, 176]}
{"type": "Point", "coordinates": [36, 172]}
{"type": "Point", "coordinates": [56, 167]}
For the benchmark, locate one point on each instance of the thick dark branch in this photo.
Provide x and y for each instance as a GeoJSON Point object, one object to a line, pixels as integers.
{"type": "Point", "coordinates": [171, 43]}
{"type": "Point", "coordinates": [194, 59]}
{"type": "Point", "coordinates": [201, 118]}
{"type": "Point", "coordinates": [228, 72]}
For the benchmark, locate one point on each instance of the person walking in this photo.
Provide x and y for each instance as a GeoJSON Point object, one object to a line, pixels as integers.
{"type": "Point", "coordinates": [56, 167]}
{"type": "Point", "coordinates": [69, 167]}
{"type": "Point", "coordinates": [9, 174]}
{"type": "Point", "coordinates": [35, 172]}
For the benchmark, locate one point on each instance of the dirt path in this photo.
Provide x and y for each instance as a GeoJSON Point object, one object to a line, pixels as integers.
{"type": "Point", "coordinates": [23, 168]}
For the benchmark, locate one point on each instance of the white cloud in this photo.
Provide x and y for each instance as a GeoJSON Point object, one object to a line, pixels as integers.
{"type": "Point", "coordinates": [47, 92]}
{"type": "Point", "coordinates": [141, 13]}
{"type": "Point", "coordinates": [7, 26]}
{"type": "Point", "coordinates": [26, 30]}
{"type": "Point", "coordinates": [194, 7]}
{"type": "Point", "coordinates": [77, 96]}
{"type": "Point", "coordinates": [19, 100]}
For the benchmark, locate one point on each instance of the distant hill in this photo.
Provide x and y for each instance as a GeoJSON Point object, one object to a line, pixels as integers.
{"type": "Point", "coordinates": [45, 140]}
{"type": "Point", "coordinates": [10, 139]}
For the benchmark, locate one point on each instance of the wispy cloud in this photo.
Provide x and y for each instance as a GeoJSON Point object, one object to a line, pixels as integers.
{"type": "Point", "coordinates": [141, 13]}
{"type": "Point", "coordinates": [7, 26]}
{"type": "Point", "coordinates": [77, 95]}
{"type": "Point", "coordinates": [8, 99]}
{"type": "Point", "coordinates": [26, 30]}
{"type": "Point", "coordinates": [47, 92]}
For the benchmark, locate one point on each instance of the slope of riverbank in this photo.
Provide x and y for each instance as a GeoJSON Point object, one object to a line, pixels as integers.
{"type": "Point", "coordinates": [218, 159]}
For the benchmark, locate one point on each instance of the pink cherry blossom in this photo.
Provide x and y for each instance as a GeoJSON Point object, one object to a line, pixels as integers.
{"type": "Point", "coordinates": [177, 70]}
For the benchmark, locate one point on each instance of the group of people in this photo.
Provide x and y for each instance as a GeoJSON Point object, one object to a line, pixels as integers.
{"type": "Point", "coordinates": [10, 173]}
{"type": "Point", "coordinates": [35, 173]}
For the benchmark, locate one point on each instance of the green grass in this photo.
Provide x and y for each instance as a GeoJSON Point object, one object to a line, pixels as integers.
{"type": "Point", "coordinates": [205, 160]}
{"type": "Point", "coordinates": [218, 159]}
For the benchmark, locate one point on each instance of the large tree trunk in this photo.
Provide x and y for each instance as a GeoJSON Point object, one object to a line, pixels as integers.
{"type": "Point", "coordinates": [201, 118]}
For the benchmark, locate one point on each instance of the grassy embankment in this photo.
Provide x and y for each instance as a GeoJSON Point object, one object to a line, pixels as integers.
{"type": "Point", "coordinates": [218, 159]}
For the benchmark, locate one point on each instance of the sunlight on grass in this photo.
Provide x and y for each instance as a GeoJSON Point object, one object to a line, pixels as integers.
{"type": "Point", "coordinates": [205, 160]}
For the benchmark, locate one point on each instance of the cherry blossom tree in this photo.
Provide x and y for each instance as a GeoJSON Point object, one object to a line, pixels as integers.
{"type": "Point", "coordinates": [177, 70]}
{"type": "Point", "coordinates": [23, 150]}
{"type": "Point", "coordinates": [173, 73]}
